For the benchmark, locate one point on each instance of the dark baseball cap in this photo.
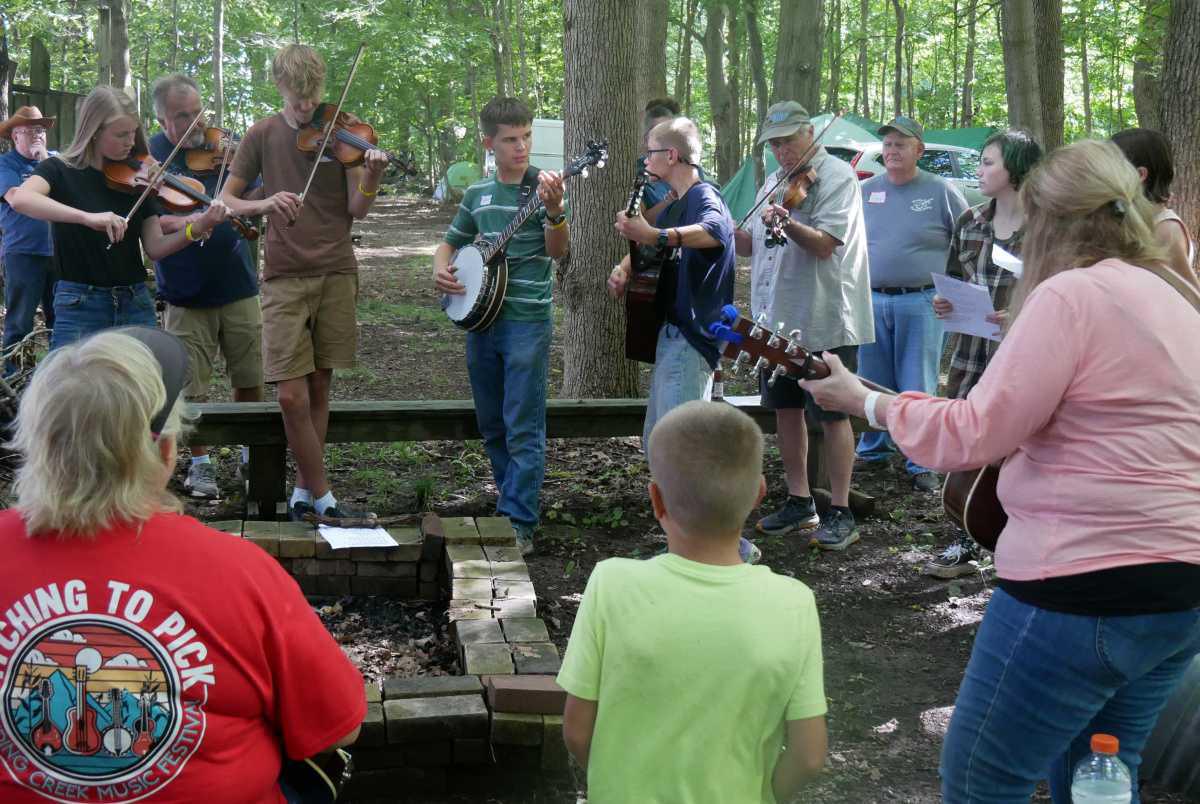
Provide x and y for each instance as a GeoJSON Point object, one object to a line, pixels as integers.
{"type": "Point", "coordinates": [783, 120]}
{"type": "Point", "coordinates": [904, 125]}
{"type": "Point", "coordinates": [172, 357]}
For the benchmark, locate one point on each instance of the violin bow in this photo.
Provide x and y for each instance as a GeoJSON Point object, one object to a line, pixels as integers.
{"type": "Point", "coordinates": [329, 129]}
{"type": "Point", "coordinates": [807, 155]}
{"type": "Point", "coordinates": [157, 175]}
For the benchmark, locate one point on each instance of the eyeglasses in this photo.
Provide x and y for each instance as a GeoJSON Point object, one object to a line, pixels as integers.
{"type": "Point", "coordinates": [32, 131]}
{"type": "Point", "coordinates": [647, 153]}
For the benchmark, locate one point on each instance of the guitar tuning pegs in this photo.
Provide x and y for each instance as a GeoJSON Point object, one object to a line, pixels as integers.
{"type": "Point", "coordinates": [600, 164]}
{"type": "Point", "coordinates": [775, 341]}
{"type": "Point", "coordinates": [741, 363]}
{"type": "Point", "coordinates": [762, 365]}
{"type": "Point", "coordinates": [793, 348]}
{"type": "Point", "coordinates": [775, 375]}
{"type": "Point", "coordinates": [761, 320]}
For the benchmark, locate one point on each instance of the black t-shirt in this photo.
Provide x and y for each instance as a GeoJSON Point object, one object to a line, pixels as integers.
{"type": "Point", "coordinates": [80, 253]}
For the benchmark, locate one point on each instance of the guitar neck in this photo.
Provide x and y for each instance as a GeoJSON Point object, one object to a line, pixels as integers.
{"type": "Point", "coordinates": [523, 214]}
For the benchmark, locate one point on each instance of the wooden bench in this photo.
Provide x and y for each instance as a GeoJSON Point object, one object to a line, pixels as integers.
{"type": "Point", "coordinates": [259, 425]}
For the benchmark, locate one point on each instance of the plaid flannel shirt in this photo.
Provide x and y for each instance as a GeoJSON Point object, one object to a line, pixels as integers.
{"type": "Point", "coordinates": [970, 259]}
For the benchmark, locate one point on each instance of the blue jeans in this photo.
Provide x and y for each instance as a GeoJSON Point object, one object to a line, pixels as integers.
{"type": "Point", "coordinates": [681, 374]}
{"type": "Point", "coordinates": [80, 310]}
{"type": "Point", "coordinates": [508, 364]}
{"type": "Point", "coordinates": [1040, 683]}
{"type": "Point", "coordinates": [28, 282]}
{"type": "Point", "coordinates": [904, 357]}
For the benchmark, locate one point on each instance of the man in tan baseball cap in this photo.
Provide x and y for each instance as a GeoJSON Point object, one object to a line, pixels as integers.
{"type": "Point", "coordinates": [28, 269]}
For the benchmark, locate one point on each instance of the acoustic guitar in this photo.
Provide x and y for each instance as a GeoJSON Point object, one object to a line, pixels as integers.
{"type": "Point", "coordinates": [970, 501]}
{"type": "Point", "coordinates": [644, 314]}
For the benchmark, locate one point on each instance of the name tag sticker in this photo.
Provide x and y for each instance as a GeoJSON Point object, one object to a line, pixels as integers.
{"type": "Point", "coordinates": [877, 197]}
{"type": "Point", "coordinates": [485, 199]}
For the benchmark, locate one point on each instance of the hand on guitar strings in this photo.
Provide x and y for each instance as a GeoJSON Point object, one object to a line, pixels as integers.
{"type": "Point", "coordinates": [446, 282]}
{"type": "Point", "coordinates": [635, 228]}
{"type": "Point", "coordinates": [550, 190]}
{"type": "Point", "coordinates": [841, 390]}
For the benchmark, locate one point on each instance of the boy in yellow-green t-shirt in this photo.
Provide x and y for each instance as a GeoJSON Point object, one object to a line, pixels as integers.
{"type": "Point", "coordinates": [693, 677]}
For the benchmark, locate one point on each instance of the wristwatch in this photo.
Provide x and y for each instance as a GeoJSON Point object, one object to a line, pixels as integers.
{"type": "Point", "coordinates": [556, 220]}
{"type": "Point", "coordinates": [663, 239]}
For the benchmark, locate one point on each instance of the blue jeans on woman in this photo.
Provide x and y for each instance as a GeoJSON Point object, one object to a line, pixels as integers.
{"type": "Point", "coordinates": [28, 282]}
{"type": "Point", "coordinates": [508, 364]}
{"type": "Point", "coordinates": [1040, 683]}
{"type": "Point", "coordinates": [80, 310]}
{"type": "Point", "coordinates": [904, 357]}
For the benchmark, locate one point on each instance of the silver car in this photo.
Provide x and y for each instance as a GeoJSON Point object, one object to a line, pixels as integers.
{"type": "Point", "coordinates": [954, 162]}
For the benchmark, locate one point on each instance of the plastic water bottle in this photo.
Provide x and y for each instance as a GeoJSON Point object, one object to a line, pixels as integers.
{"type": "Point", "coordinates": [1101, 777]}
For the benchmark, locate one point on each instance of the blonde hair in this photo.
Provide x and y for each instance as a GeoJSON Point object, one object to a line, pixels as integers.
{"type": "Point", "coordinates": [706, 458]}
{"type": "Point", "coordinates": [100, 107]}
{"type": "Point", "coordinates": [680, 134]}
{"type": "Point", "coordinates": [1083, 204]}
{"type": "Point", "coordinates": [301, 69]}
{"type": "Point", "coordinates": [83, 429]}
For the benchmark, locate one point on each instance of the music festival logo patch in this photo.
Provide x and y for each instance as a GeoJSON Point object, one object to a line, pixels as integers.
{"type": "Point", "coordinates": [93, 708]}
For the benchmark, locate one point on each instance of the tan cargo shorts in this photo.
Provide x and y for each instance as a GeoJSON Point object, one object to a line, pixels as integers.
{"type": "Point", "coordinates": [309, 323]}
{"type": "Point", "coordinates": [234, 330]}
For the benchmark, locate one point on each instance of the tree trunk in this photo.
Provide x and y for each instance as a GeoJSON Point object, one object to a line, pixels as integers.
{"type": "Point", "coordinates": [720, 99]}
{"type": "Point", "coordinates": [908, 74]}
{"type": "Point", "coordinates": [734, 51]}
{"type": "Point", "coordinates": [897, 84]}
{"type": "Point", "coordinates": [119, 43]}
{"type": "Point", "coordinates": [598, 99]}
{"type": "Point", "coordinates": [798, 53]}
{"type": "Point", "coordinates": [5, 69]}
{"type": "Point", "coordinates": [652, 48]}
{"type": "Point", "coordinates": [1047, 16]}
{"type": "Point", "coordinates": [174, 35]}
{"type": "Point", "coordinates": [759, 74]}
{"type": "Point", "coordinates": [1181, 117]}
{"type": "Point", "coordinates": [683, 78]}
{"type": "Point", "coordinates": [1147, 67]}
{"type": "Point", "coordinates": [862, 87]}
{"type": "Point", "coordinates": [968, 78]}
{"type": "Point", "coordinates": [103, 43]}
{"type": "Point", "coordinates": [496, 35]}
{"type": "Point", "coordinates": [218, 115]}
{"type": "Point", "coordinates": [1085, 77]}
{"type": "Point", "coordinates": [1020, 67]}
{"type": "Point", "coordinates": [833, 100]}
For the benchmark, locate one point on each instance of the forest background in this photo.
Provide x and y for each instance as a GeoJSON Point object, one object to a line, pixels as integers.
{"type": "Point", "coordinates": [1064, 69]}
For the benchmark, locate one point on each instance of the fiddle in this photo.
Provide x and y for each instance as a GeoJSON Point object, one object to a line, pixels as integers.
{"type": "Point", "coordinates": [176, 193]}
{"type": "Point", "coordinates": [219, 146]}
{"type": "Point", "coordinates": [351, 139]}
{"type": "Point", "coordinates": [800, 181]}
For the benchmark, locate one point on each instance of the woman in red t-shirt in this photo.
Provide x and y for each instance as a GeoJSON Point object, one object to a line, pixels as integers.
{"type": "Point", "coordinates": [142, 653]}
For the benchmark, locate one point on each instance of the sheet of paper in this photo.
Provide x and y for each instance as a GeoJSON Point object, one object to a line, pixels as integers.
{"type": "Point", "coordinates": [972, 305]}
{"type": "Point", "coordinates": [1007, 260]}
{"type": "Point", "coordinates": [343, 538]}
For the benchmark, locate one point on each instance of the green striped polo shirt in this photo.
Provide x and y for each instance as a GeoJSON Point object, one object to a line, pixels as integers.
{"type": "Point", "coordinates": [486, 209]}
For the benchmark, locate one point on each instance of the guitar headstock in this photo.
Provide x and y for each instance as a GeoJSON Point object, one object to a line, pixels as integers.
{"type": "Point", "coordinates": [639, 187]}
{"type": "Point", "coordinates": [596, 154]}
{"type": "Point", "coordinates": [753, 347]}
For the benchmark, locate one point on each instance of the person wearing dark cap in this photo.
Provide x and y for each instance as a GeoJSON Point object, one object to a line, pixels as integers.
{"type": "Point", "coordinates": [816, 282]}
{"type": "Point", "coordinates": [155, 648]}
{"type": "Point", "coordinates": [911, 216]}
{"type": "Point", "coordinates": [27, 249]}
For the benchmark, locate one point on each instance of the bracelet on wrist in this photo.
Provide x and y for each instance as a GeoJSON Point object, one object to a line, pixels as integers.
{"type": "Point", "coordinates": [869, 410]}
{"type": "Point", "coordinates": [187, 233]}
{"type": "Point", "coordinates": [366, 192]}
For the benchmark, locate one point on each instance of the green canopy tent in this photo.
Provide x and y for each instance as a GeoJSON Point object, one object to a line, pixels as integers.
{"type": "Point", "coordinates": [962, 137]}
{"type": "Point", "coordinates": [739, 192]}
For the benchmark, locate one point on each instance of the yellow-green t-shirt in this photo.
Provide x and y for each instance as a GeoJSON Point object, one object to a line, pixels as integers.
{"type": "Point", "coordinates": [695, 668]}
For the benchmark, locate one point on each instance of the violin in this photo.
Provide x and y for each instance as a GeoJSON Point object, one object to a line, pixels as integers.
{"type": "Point", "coordinates": [800, 181]}
{"type": "Point", "coordinates": [208, 157]}
{"type": "Point", "coordinates": [176, 193]}
{"type": "Point", "coordinates": [352, 138]}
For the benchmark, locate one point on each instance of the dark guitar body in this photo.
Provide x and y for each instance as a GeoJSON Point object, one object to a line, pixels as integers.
{"type": "Point", "coordinates": [970, 501]}
{"type": "Point", "coordinates": [644, 309]}
{"type": "Point", "coordinates": [316, 780]}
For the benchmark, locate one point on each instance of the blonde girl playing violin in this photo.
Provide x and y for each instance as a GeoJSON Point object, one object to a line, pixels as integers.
{"type": "Point", "coordinates": [102, 280]}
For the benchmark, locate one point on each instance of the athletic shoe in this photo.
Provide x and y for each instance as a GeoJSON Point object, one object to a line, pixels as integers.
{"type": "Point", "coordinates": [749, 552]}
{"type": "Point", "coordinates": [202, 481]}
{"type": "Point", "coordinates": [837, 532]}
{"type": "Point", "coordinates": [298, 510]}
{"type": "Point", "coordinates": [927, 482]}
{"type": "Point", "coordinates": [795, 515]}
{"type": "Point", "coordinates": [955, 560]}
{"type": "Point", "coordinates": [524, 539]}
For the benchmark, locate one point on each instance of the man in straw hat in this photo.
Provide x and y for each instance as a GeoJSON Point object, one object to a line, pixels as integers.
{"type": "Point", "coordinates": [28, 269]}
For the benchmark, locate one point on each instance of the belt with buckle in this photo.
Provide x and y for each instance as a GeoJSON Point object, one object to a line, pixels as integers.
{"type": "Point", "coordinates": [901, 291]}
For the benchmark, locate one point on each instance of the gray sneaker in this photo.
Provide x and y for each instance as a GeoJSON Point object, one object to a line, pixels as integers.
{"type": "Point", "coordinates": [524, 540]}
{"type": "Point", "coordinates": [955, 560]}
{"type": "Point", "coordinates": [201, 481]}
{"type": "Point", "coordinates": [837, 532]}
{"type": "Point", "coordinates": [927, 482]}
{"type": "Point", "coordinates": [748, 551]}
{"type": "Point", "coordinates": [793, 516]}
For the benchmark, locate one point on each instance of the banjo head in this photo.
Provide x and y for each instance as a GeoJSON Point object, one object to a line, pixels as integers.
{"type": "Point", "coordinates": [472, 273]}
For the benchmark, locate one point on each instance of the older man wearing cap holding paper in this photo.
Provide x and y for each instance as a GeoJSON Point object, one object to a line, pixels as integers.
{"type": "Point", "coordinates": [910, 216]}
{"type": "Point", "coordinates": [816, 282]}
{"type": "Point", "coordinates": [28, 253]}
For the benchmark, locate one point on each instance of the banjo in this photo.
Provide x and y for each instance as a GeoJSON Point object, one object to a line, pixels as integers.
{"type": "Point", "coordinates": [482, 268]}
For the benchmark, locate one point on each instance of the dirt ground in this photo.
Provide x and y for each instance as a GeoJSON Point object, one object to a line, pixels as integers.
{"type": "Point", "coordinates": [896, 642]}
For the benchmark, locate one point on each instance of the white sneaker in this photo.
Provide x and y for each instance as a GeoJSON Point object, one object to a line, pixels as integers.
{"type": "Point", "coordinates": [201, 481]}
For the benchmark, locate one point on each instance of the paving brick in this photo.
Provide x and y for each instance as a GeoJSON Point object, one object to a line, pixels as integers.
{"type": "Point", "coordinates": [401, 552]}
{"type": "Point", "coordinates": [472, 588]}
{"type": "Point", "coordinates": [555, 758]}
{"type": "Point", "coordinates": [324, 549]}
{"type": "Point", "coordinates": [233, 526]}
{"type": "Point", "coordinates": [372, 733]}
{"type": "Point", "coordinates": [308, 584]}
{"type": "Point", "coordinates": [510, 570]}
{"type": "Point", "coordinates": [430, 687]}
{"type": "Point", "coordinates": [469, 610]}
{"type": "Point", "coordinates": [297, 530]}
{"type": "Point", "coordinates": [391, 587]}
{"type": "Point", "coordinates": [373, 692]}
{"type": "Point", "coordinates": [386, 569]}
{"type": "Point", "coordinates": [495, 530]}
{"type": "Point", "coordinates": [264, 534]}
{"type": "Point", "coordinates": [512, 728]}
{"type": "Point", "coordinates": [513, 607]}
{"type": "Point", "coordinates": [336, 566]}
{"type": "Point", "coordinates": [536, 657]}
{"type": "Point", "coordinates": [517, 758]}
{"type": "Point", "coordinates": [517, 589]}
{"type": "Point", "coordinates": [501, 553]}
{"type": "Point", "coordinates": [296, 543]}
{"type": "Point", "coordinates": [472, 751]}
{"type": "Point", "coordinates": [333, 585]}
{"type": "Point", "coordinates": [431, 525]}
{"type": "Point", "coordinates": [524, 629]}
{"type": "Point", "coordinates": [429, 571]}
{"type": "Point", "coordinates": [429, 590]}
{"type": "Point", "coordinates": [434, 539]}
{"type": "Point", "coordinates": [385, 784]}
{"type": "Point", "coordinates": [472, 632]}
{"type": "Point", "coordinates": [428, 755]}
{"type": "Point", "coordinates": [409, 544]}
{"type": "Point", "coordinates": [531, 694]}
{"type": "Point", "coordinates": [460, 530]}
{"type": "Point", "coordinates": [411, 720]}
{"type": "Point", "coordinates": [487, 659]}
{"type": "Point", "coordinates": [464, 552]}
{"type": "Point", "coordinates": [476, 568]}
{"type": "Point", "coordinates": [375, 759]}
{"type": "Point", "coordinates": [303, 566]}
